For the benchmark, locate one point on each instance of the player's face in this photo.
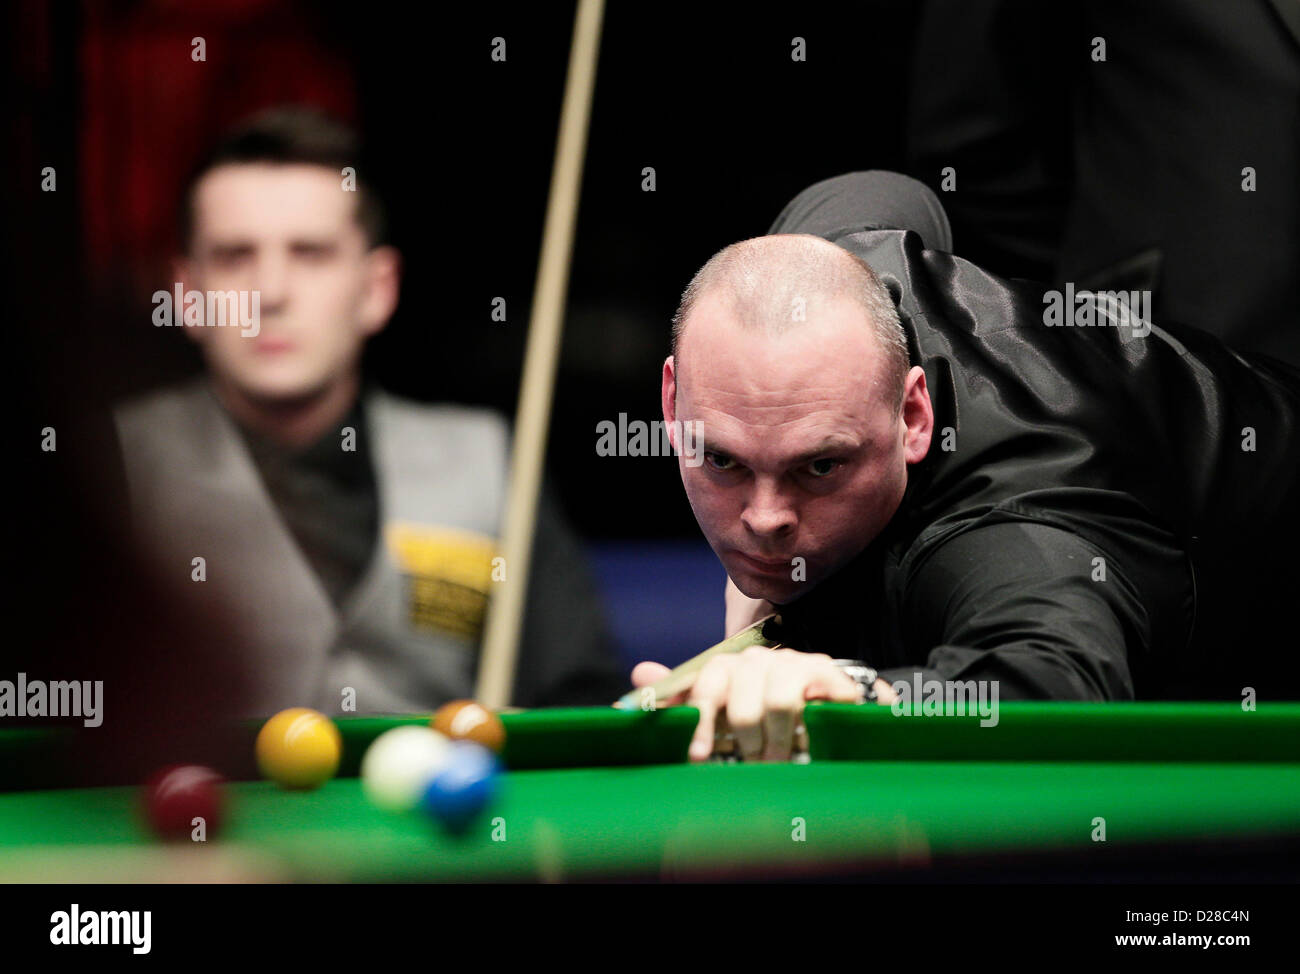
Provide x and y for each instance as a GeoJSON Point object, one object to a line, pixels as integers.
{"type": "Point", "coordinates": [803, 457]}
{"type": "Point", "coordinates": [288, 232]}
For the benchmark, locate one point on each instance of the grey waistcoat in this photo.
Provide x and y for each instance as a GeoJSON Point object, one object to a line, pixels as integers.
{"type": "Point", "coordinates": [406, 637]}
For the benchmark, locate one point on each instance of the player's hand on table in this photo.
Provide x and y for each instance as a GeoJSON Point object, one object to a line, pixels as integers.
{"type": "Point", "coordinates": [760, 694]}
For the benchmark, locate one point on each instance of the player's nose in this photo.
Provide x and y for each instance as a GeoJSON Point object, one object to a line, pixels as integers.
{"type": "Point", "coordinates": [272, 281]}
{"type": "Point", "coordinates": [769, 513]}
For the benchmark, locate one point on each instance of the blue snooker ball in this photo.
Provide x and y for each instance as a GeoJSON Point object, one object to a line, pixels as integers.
{"type": "Point", "coordinates": [464, 786]}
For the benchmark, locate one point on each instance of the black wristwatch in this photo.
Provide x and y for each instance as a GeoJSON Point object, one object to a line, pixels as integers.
{"type": "Point", "coordinates": [861, 674]}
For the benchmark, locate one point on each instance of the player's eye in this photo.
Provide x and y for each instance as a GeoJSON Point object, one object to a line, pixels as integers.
{"type": "Point", "coordinates": [314, 253]}
{"type": "Point", "coordinates": [230, 256]}
{"type": "Point", "coordinates": [824, 466]}
{"type": "Point", "coordinates": [719, 461]}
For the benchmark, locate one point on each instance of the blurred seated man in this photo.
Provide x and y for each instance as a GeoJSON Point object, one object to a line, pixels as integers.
{"type": "Point", "coordinates": [349, 534]}
{"type": "Point", "coordinates": [956, 478]}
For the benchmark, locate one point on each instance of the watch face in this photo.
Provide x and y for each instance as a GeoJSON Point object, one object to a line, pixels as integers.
{"type": "Point", "coordinates": [864, 675]}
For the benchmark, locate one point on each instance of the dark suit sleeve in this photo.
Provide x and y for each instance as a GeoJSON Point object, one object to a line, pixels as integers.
{"type": "Point", "coordinates": [1023, 603]}
{"type": "Point", "coordinates": [566, 652]}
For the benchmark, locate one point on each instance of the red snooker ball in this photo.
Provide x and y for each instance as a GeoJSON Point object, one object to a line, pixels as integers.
{"type": "Point", "coordinates": [176, 797]}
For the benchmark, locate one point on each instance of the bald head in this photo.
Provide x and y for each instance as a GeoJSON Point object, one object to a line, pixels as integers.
{"type": "Point", "coordinates": [774, 283]}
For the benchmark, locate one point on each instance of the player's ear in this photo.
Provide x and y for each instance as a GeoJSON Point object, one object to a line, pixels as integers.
{"type": "Point", "coordinates": [668, 394]}
{"type": "Point", "coordinates": [184, 274]}
{"type": "Point", "coordinates": [917, 416]}
{"type": "Point", "coordinates": [382, 287]}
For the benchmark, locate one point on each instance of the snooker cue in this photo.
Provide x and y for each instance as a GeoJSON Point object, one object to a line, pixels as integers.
{"type": "Point", "coordinates": [496, 672]}
{"type": "Point", "coordinates": [679, 678]}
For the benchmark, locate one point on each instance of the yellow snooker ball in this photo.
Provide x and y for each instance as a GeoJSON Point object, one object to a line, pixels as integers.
{"type": "Point", "coordinates": [299, 748]}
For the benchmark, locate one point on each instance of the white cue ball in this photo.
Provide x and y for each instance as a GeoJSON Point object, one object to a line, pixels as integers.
{"type": "Point", "coordinates": [400, 762]}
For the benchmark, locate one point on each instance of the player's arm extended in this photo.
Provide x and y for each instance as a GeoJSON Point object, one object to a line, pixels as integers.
{"type": "Point", "coordinates": [1027, 605]}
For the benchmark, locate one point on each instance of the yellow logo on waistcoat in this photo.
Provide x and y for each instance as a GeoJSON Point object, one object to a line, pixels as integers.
{"type": "Point", "coordinates": [449, 573]}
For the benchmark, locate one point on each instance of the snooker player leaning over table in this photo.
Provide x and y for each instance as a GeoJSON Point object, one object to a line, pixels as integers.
{"type": "Point", "coordinates": [923, 469]}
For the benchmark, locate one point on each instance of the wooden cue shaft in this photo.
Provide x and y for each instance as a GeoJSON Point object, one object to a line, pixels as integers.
{"type": "Point", "coordinates": [682, 676]}
{"type": "Point", "coordinates": [500, 651]}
